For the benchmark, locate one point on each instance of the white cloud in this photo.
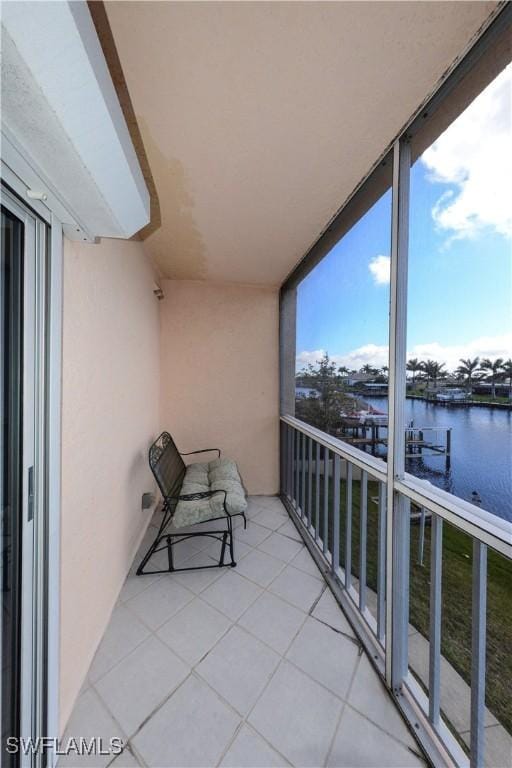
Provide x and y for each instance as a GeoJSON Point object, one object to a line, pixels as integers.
{"type": "Point", "coordinates": [380, 267]}
{"type": "Point", "coordinates": [373, 354]}
{"type": "Point", "coordinates": [484, 346]}
{"type": "Point", "coordinates": [377, 355]}
{"type": "Point", "coordinates": [474, 155]}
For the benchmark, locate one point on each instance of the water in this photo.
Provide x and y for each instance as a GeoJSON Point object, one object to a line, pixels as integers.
{"type": "Point", "coordinates": [481, 455]}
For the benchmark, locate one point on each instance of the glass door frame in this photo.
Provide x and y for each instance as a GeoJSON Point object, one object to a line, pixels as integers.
{"type": "Point", "coordinates": [39, 689]}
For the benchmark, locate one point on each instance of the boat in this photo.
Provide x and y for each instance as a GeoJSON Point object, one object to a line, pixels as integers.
{"type": "Point", "coordinates": [451, 395]}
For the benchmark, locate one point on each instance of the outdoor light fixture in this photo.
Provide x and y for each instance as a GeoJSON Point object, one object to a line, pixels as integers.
{"type": "Point", "coordinates": [158, 292]}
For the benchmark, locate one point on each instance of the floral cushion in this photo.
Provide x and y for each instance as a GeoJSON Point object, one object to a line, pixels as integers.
{"type": "Point", "coordinates": [218, 475]}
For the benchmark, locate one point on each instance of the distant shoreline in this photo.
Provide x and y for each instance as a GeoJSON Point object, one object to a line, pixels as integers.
{"type": "Point", "coordinates": [476, 403]}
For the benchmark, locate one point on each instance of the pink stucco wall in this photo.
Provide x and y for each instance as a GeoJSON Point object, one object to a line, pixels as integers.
{"type": "Point", "coordinates": [220, 373]}
{"type": "Point", "coordinates": [109, 417]}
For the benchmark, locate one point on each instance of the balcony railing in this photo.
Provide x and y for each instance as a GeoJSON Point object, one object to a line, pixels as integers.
{"type": "Point", "coordinates": [338, 495]}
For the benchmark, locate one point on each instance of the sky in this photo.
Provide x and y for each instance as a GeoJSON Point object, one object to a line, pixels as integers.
{"type": "Point", "coordinates": [460, 255]}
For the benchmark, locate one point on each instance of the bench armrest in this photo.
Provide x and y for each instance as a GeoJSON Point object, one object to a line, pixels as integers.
{"type": "Point", "coordinates": [203, 450]}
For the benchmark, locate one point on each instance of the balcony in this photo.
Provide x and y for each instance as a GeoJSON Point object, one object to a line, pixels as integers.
{"type": "Point", "coordinates": [255, 666]}
{"type": "Point", "coordinates": [172, 175]}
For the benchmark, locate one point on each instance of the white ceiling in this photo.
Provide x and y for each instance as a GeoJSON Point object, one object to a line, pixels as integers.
{"type": "Point", "coordinates": [259, 118]}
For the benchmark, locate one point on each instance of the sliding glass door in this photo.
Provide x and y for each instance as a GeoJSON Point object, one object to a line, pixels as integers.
{"type": "Point", "coordinates": [22, 476]}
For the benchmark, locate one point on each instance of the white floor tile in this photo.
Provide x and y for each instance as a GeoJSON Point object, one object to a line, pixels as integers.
{"type": "Point", "coordinates": [134, 584]}
{"type": "Point", "coordinates": [124, 633]}
{"type": "Point", "coordinates": [297, 716]}
{"type": "Point", "coordinates": [360, 744]}
{"type": "Point", "coordinates": [194, 630]}
{"type": "Point", "coordinates": [125, 760]}
{"type": "Point", "coordinates": [141, 682]}
{"type": "Point", "coordinates": [298, 588]}
{"type": "Point", "coordinates": [89, 719]}
{"type": "Point", "coordinates": [260, 567]}
{"type": "Point", "coordinates": [199, 580]}
{"type": "Point", "coordinates": [231, 594]}
{"type": "Point", "coordinates": [288, 529]}
{"type": "Point", "coordinates": [368, 695]}
{"type": "Point", "coordinates": [272, 620]}
{"type": "Point", "coordinates": [239, 667]}
{"type": "Point", "coordinates": [249, 750]}
{"type": "Point", "coordinates": [325, 655]}
{"type": "Point", "coordinates": [253, 535]}
{"type": "Point", "coordinates": [270, 502]}
{"type": "Point", "coordinates": [192, 728]}
{"type": "Point", "coordinates": [281, 546]}
{"type": "Point", "coordinates": [160, 601]}
{"type": "Point", "coordinates": [304, 562]}
{"type": "Point", "coordinates": [253, 508]}
{"type": "Point", "coordinates": [271, 518]}
{"type": "Point", "coordinates": [214, 547]}
{"type": "Point", "coordinates": [328, 611]}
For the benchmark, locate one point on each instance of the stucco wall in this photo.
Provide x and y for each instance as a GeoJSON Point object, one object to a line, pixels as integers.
{"type": "Point", "coordinates": [109, 416]}
{"type": "Point", "coordinates": [220, 374]}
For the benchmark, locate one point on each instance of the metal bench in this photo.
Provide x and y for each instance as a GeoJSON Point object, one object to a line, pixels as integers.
{"type": "Point", "coordinates": [170, 471]}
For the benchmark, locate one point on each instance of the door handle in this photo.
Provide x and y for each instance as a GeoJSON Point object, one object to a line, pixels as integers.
{"type": "Point", "coordinates": [30, 494]}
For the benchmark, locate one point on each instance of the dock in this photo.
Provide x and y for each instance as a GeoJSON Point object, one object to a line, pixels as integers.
{"type": "Point", "coordinates": [419, 441]}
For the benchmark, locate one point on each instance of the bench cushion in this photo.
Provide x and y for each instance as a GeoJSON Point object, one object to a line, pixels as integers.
{"type": "Point", "coordinates": [220, 474]}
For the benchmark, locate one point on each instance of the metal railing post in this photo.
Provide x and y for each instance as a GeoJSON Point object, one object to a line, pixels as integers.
{"type": "Point", "coordinates": [317, 491]}
{"type": "Point", "coordinates": [348, 528]}
{"type": "Point", "coordinates": [436, 561]}
{"type": "Point", "coordinates": [325, 529]}
{"type": "Point", "coordinates": [363, 526]}
{"type": "Point", "coordinates": [478, 629]}
{"type": "Point", "coordinates": [336, 515]}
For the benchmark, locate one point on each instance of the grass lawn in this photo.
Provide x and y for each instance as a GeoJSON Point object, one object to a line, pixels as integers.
{"type": "Point", "coordinates": [501, 400]}
{"type": "Point", "coordinates": [456, 595]}
{"type": "Point", "coordinates": [492, 400]}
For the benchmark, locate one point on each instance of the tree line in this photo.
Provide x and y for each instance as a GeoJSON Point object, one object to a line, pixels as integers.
{"type": "Point", "coordinates": [470, 371]}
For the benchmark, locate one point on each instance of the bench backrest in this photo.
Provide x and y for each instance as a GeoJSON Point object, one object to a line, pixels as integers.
{"type": "Point", "coordinates": [167, 465]}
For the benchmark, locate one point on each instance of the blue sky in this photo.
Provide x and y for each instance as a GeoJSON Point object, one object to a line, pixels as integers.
{"type": "Point", "coordinates": [460, 255]}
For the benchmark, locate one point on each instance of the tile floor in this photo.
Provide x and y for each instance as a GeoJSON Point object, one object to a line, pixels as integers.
{"type": "Point", "coordinates": [252, 666]}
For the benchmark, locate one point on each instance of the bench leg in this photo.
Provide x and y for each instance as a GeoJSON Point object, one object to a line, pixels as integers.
{"type": "Point", "coordinates": [222, 551]}
{"type": "Point", "coordinates": [169, 553]}
{"type": "Point", "coordinates": [167, 541]}
{"type": "Point", "coordinates": [231, 547]}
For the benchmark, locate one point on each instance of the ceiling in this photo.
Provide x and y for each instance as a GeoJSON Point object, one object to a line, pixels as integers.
{"type": "Point", "coordinates": [259, 119]}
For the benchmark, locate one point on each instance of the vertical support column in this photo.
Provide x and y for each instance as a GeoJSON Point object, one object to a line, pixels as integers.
{"type": "Point", "coordinates": [348, 528]}
{"type": "Point", "coordinates": [436, 561]}
{"type": "Point", "coordinates": [397, 530]}
{"type": "Point", "coordinates": [336, 515]}
{"type": "Point", "coordinates": [287, 350]}
{"type": "Point", "coordinates": [363, 526]}
{"type": "Point", "coordinates": [478, 628]}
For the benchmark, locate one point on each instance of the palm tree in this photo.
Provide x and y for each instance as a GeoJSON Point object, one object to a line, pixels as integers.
{"type": "Point", "coordinates": [414, 366]}
{"type": "Point", "coordinates": [507, 370]}
{"type": "Point", "coordinates": [466, 369]}
{"type": "Point", "coordinates": [433, 371]}
{"type": "Point", "coordinates": [494, 366]}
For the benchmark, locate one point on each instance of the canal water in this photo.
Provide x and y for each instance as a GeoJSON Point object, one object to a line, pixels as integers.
{"type": "Point", "coordinates": [481, 455]}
